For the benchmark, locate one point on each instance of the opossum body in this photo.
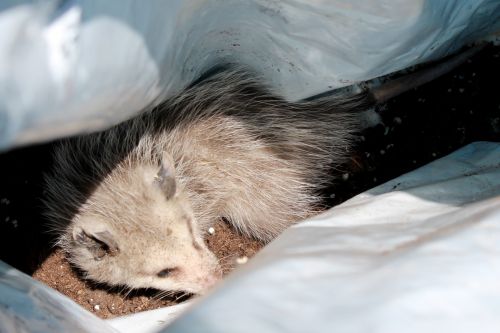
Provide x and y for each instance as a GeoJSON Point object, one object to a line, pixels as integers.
{"type": "Point", "coordinates": [130, 203]}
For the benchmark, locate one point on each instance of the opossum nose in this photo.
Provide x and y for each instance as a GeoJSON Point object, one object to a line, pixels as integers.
{"type": "Point", "coordinates": [209, 281]}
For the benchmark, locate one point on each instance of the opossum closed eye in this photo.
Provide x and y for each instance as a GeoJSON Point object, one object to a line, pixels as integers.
{"type": "Point", "coordinates": [99, 243]}
{"type": "Point", "coordinates": [166, 272]}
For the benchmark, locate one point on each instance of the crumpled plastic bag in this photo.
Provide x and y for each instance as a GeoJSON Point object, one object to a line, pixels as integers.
{"type": "Point", "coordinates": [68, 67]}
{"type": "Point", "coordinates": [420, 253]}
{"type": "Point", "coordinates": [27, 305]}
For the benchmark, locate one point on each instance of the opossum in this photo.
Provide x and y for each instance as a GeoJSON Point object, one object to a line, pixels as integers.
{"type": "Point", "coordinates": [130, 204]}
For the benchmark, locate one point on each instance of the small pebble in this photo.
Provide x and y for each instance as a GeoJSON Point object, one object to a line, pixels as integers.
{"type": "Point", "coordinates": [211, 230]}
{"type": "Point", "coordinates": [242, 260]}
{"type": "Point", "coordinates": [345, 176]}
{"type": "Point", "coordinates": [97, 307]}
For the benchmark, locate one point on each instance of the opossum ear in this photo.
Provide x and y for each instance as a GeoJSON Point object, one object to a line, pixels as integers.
{"type": "Point", "coordinates": [99, 243]}
{"type": "Point", "coordinates": [166, 176]}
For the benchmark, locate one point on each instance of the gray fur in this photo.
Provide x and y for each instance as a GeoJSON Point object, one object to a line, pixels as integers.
{"type": "Point", "coordinates": [239, 152]}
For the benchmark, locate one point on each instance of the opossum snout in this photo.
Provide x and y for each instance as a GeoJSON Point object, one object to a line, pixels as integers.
{"type": "Point", "coordinates": [208, 281]}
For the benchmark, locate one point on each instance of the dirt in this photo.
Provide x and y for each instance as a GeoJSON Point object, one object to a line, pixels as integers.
{"type": "Point", "coordinates": [417, 127]}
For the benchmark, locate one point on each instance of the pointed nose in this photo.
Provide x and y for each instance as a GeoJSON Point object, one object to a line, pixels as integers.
{"type": "Point", "coordinates": [210, 280]}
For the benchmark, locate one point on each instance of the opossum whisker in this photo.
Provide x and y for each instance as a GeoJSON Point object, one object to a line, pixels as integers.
{"type": "Point", "coordinates": [227, 257]}
{"type": "Point", "coordinates": [183, 294]}
{"type": "Point", "coordinates": [128, 292]}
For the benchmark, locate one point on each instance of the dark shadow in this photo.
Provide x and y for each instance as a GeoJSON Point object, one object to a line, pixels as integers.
{"type": "Point", "coordinates": [24, 241]}
{"type": "Point", "coordinates": [425, 124]}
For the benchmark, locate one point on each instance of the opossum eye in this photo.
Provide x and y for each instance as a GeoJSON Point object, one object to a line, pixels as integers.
{"type": "Point", "coordinates": [166, 176]}
{"type": "Point", "coordinates": [98, 243]}
{"type": "Point", "coordinates": [166, 272]}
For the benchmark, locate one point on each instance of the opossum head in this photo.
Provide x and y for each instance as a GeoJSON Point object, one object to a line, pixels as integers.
{"type": "Point", "coordinates": [137, 229]}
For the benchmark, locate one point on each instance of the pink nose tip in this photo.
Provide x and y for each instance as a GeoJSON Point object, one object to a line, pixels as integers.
{"type": "Point", "coordinates": [211, 279]}
{"type": "Point", "coordinates": [208, 281]}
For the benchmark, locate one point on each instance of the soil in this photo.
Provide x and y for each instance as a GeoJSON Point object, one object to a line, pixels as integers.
{"type": "Point", "coordinates": [417, 127]}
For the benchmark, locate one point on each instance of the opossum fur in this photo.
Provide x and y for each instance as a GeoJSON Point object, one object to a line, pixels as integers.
{"type": "Point", "coordinates": [134, 201]}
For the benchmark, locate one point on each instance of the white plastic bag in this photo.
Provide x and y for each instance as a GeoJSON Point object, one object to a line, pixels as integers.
{"type": "Point", "coordinates": [27, 305]}
{"type": "Point", "coordinates": [73, 66]}
{"type": "Point", "coordinates": [420, 253]}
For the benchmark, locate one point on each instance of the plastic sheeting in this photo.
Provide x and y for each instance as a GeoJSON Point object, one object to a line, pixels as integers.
{"type": "Point", "coordinates": [27, 305]}
{"type": "Point", "coordinates": [420, 253]}
{"type": "Point", "coordinates": [73, 66]}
